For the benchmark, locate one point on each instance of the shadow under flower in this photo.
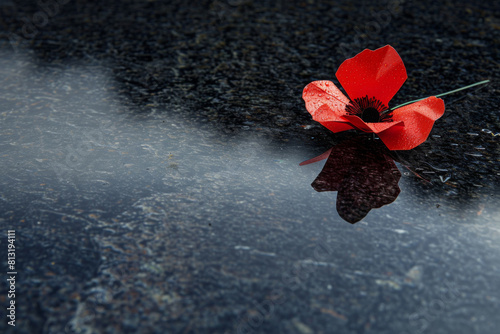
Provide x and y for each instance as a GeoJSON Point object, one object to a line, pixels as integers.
{"type": "Point", "coordinates": [362, 172]}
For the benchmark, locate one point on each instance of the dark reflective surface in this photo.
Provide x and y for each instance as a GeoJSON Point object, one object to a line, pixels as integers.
{"type": "Point", "coordinates": [149, 159]}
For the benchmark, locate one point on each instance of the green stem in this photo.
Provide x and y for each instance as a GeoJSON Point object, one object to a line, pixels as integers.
{"type": "Point", "coordinates": [439, 95]}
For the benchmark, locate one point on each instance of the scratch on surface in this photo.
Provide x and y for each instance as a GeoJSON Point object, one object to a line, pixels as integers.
{"type": "Point", "coordinates": [388, 283]}
{"type": "Point", "coordinates": [333, 313]}
{"type": "Point", "coordinates": [262, 253]}
{"type": "Point", "coordinates": [318, 263]}
{"type": "Point", "coordinates": [254, 251]}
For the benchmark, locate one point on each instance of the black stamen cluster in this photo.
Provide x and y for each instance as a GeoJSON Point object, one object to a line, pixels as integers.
{"type": "Point", "coordinates": [369, 110]}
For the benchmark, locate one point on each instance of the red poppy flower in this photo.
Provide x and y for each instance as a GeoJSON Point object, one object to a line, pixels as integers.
{"type": "Point", "coordinates": [371, 79]}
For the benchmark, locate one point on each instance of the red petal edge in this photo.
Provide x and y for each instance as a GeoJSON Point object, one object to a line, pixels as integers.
{"type": "Point", "coordinates": [418, 118]}
{"type": "Point", "coordinates": [326, 104]}
{"type": "Point", "coordinates": [320, 157]}
{"type": "Point", "coordinates": [379, 74]}
{"type": "Point", "coordinates": [324, 101]}
{"type": "Point", "coordinates": [359, 124]}
{"type": "Point", "coordinates": [337, 126]}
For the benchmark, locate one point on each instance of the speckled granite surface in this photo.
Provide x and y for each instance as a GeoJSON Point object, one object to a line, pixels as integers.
{"type": "Point", "coordinates": [149, 166]}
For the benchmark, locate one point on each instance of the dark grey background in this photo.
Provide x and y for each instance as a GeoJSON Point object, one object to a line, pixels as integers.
{"type": "Point", "coordinates": [149, 165]}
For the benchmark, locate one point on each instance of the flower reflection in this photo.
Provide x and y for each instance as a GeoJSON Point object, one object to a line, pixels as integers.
{"type": "Point", "coordinates": [363, 174]}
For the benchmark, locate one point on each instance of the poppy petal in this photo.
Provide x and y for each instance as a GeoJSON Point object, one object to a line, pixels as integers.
{"type": "Point", "coordinates": [335, 126]}
{"type": "Point", "coordinates": [324, 93]}
{"type": "Point", "coordinates": [418, 119]}
{"type": "Point", "coordinates": [379, 74]}
{"type": "Point", "coordinates": [320, 157]}
{"type": "Point", "coordinates": [358, 123]}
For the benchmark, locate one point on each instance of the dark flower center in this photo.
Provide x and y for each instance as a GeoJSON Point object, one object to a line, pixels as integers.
{"type": "Point", "coordinates": [370, 115]}
{"type": "Point", "coordinates": [369, 110]}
